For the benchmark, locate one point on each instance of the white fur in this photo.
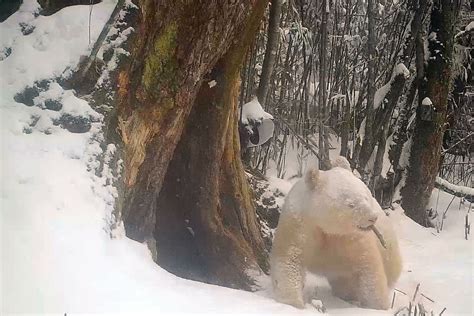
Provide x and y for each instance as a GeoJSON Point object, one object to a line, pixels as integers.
{"type": "Point", "coordinates": [323, 229]}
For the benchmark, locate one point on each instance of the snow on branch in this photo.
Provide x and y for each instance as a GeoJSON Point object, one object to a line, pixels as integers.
{"type": "Point", "coordinates": [252, 112]}
{"type": "Point", "coordinates": [382, 92]}
{"type": "Point", "coordinates": [457, 190]}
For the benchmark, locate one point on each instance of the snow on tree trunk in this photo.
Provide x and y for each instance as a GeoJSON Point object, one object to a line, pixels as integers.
{"type": "Point", "coordinates": [186, 193]}
{"type": "Point", "coordinates": [434, 88]}
{"type": "Point", "coordinates": [385, 101]}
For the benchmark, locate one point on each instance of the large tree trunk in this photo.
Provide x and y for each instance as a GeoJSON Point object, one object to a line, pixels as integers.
{"type": "Point", "coordinates": [427, 137]}
{"type": "Point", "coordinates": [186, 193]}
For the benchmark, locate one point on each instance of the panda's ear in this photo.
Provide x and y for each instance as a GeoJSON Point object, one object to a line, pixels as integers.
{"type": "Point", "coordinates": [312, 178]}
{"type": "Point", "coordinates": [341, 162]}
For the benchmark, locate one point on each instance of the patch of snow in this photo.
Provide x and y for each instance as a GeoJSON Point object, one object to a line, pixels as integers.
{"type": "Point", "coordinates": [405, 154]}
{"type": "Point", "coordinates": [426, 101]}
{"type": "Point", "coordinates": [361, 134]}
{"type": "Point", "coordinates": [212, 83]}
{"type": "Point", "coordinates": [338, 96]}
{"type": "Point", "coordinates": [401, 69]}
{"type": "Point", "coordinates": [433, 36]}
{"type": "Point", "coordinates": [440, 262]}
{"type": "Point", "coordinates": [281, 185]}
{"type": "Point", "coordinates": [380, 95]}
{"type": "Point", "coordinates": [387, 166]}
{"type": "Point", "coordinates": [253, 112]}
{"type": "Point", "coordinates": [469, 27]}
{"type": "Point", "coordinates": [382, 92]}
{"type": "Point", "coordinates": [115, 46]}
{"type": "Point", "coordinates": [381, 9]}
{"type": "Point", "coordinates": [411, 120]}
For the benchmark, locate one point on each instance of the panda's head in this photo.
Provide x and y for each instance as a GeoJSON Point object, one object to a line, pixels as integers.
{"type": "Point", "coordinates": [340, 203]}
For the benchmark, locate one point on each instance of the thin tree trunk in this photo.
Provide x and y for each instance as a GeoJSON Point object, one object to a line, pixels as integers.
{"type": "Point", "coordinates": [270, 50]}
{"type": "Point", "coordinates": [324, 162]}
{"type": "Point", "coordinates": [185, 188]}
{"type": "Point", "coordinates": [382, 118]}
{"type": "Point", "coordinates": [379, 161]}
{"type": "Point", "coordinates": [98, 43]}
{"type": "Point", "coordinates": [425, 151]}
{"type": "Point", "coordinates": [346, 110]}
{"type": "Point", "coordinates": [368, 142]}
{"type": "Point", "coordinates": [413, 43]}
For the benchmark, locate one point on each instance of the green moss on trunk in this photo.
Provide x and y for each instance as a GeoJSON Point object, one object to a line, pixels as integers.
{"type": "Point", "coordinates": [160, 64]}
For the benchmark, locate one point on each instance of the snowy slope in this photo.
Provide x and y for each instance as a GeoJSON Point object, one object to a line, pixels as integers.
{"type": "Point", "coordinates": [441, 262]}
{"type": "Point", "coordinates": [57, 254]}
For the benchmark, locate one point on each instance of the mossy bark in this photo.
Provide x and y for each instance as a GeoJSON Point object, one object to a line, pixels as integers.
{"type": "Point", "coordinates": [186, 190]}
{"type": "Point", "coordinates": [425, 151]}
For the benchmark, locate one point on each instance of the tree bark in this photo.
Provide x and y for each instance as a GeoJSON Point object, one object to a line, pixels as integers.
{"type": "Point", "coordinates": [186, 193]}
{"type": "Point", "coordinates": [270, 50]}
{"type": "Point", "coordinates": [425, 151]}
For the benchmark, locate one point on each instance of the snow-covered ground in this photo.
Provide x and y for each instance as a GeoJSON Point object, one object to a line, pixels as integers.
{"type": "Point", "coordinates": [56, 251]}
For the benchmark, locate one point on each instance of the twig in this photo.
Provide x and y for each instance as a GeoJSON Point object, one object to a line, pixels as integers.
{"type": "Point", "coordinates": [308, 144]}
{"type": "Point", "coordinates": [400, 310]}
{"type": "Point", "coordinates": [461, 140]}
{"type": "Point", "coordinates": [442, 311]}
{"type": "Point", "coordinates": [445, 212]}
{"type": "Point", "coordinates": [416, 291]}
{"type": "Point", "coordinates": [102, 36]}
{"type": "Point", "coordinates": [429, 299]}
{"type": "Point", "coordinates": [379, 236]}
{"type": "Point", "coordinates": [421, 309]}
{"type": "Point", "coordinates": [401, 292]}
{"type": "Point", "coordinates": [90, 17]}
{"type": "Point", "coordinates": [467, 226]}
{"type": "Point", "coordinates": [437, 200]}
{"type": "Point", "coordinates": [393, 299]}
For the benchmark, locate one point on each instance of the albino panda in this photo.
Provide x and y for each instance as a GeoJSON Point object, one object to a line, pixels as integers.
{"type": "Point", "coordinates": [326, 228]}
